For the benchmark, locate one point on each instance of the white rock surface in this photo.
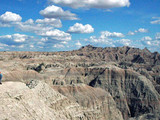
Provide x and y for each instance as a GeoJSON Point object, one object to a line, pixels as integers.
{"type": "Point", "coordinates": [18, 102]}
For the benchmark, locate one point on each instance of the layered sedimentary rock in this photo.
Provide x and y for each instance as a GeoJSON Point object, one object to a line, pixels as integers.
{"type": "Point", "coordinates": [22, 76]}
{"type": "Point", "coordinates": [19, 102]}
{"type": "Point", "coordinates": [99, 103]}
{"type": "Point", "coordinates": [106, 83]}
{"type": "Point", "coordinates": [133, 93]}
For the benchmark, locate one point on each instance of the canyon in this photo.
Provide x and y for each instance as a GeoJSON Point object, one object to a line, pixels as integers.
{"type": "Point", "coordinates": [91, 83]}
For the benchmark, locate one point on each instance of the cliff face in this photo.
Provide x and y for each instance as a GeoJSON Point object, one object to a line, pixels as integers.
{"type": "Point", "coordinates": [99, 103]}
{"type": "Point", "coordinates": [99, 83]}
{"type": "Point", "coordinates": [133, 93]}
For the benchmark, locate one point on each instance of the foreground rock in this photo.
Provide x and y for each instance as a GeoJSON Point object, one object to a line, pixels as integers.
{"type": "Point", "coordinates": [18, 102]}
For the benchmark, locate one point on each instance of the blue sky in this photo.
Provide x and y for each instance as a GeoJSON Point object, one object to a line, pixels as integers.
{"type": "Point", "coordinates": [60, 25]}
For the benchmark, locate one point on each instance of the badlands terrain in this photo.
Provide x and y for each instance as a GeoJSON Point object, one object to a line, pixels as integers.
{"type": "Point", "coordinates": [91, 83]}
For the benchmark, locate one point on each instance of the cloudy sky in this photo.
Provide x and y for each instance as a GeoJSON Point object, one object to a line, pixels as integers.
{"type": "Point", "coordinates": [60, 25]}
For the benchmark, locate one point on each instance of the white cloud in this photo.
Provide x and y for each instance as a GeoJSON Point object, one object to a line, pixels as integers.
{"type": "Point", "coordinates": [141, 30]}
{"type": "Point", "coordinates": [157, 37]}
{"type": "Point", "coordinates": [123, 42]}
{"type": "Point", "coordinates": [29, 21]}
{"type": "Point", "coordinates": [79, 28]}
{"type": "Point", "coordinates": [29, 25]}
{"type": "Point", "coordinates": [148, 43]}
{"type": "Point", "coordinates": [156, 20]}
{"type": "Point", "coordinates": [6, 37]}
{"type": "Point", "coordinates": [64, 42]}
{"type": "Point", "coordinates": [106, 39]}
{"type": "Point", "coordinates": [105, 34]}
{"type": "Point", "coordinates": [154, 44]}
{"type": "Point", "coordinates": [151, 43]}
{"type": "Point", "coordinates": [31, 46]}
{"type": "Point", "coordinates": [56, 34]}
{"type": "Point", "coordinates": [101, 39]}
{"type": "Point", "coordinates": [78, 44]}
{"type": "Point", "coordinates": [19, 38]}
{"type": "Point", "coordinates": [131, 33]}
{"type": "Point", "coordinates": [15, 38]}
{"type": "Point", "coordinates": [44, 39]}
{"type": "Point", "coordinates": [146, 38]}
{"type": "Point", "coordinates": [58, 46]}
{"type": "Point", "coordinates": [10, 17]}
{"type": "Point", "coordinates": [57, 12]}
{"type": "Point", "coordinates": [34, 28]}
{"type": "Point", "coordinates": [13, 46]}
{"type": "Point", "coordinates": [106, 4]}
{"type": "Point", "coordinates": [21, 46]}
{"type": "Point", "coordinates": [52, 21]}
{"type": "Point", "coordinates": [5, 24]}
{"type": "Point", "coordinates": [43, 27]}
{"type": "Point", "coordinates": [3, 45]}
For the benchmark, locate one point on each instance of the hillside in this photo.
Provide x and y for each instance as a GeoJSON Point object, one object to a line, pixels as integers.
{"type": "Point", "coordinates": [91, 83]}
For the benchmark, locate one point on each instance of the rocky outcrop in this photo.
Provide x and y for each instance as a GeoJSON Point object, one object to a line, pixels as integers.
{"type": "Point", "coordinates": [22, 76]}
{"type": "Point", "coordinates": [149, 116]}
{"type": "Point", "coordinates": [133, 93]}
{"type": "Point", "coordinates": [18, 102]}
{"type": "Point", "coordinates": [96, 79]}
{"type": "Point", "coordinates": [99, 103]}
{"type": "Point", "coordinates": [119, 54]}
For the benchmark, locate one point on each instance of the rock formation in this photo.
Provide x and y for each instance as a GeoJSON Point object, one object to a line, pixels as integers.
{"type": "Point", "coordinates": [99, 103]}
{"type": "Point", "coordinates": [93, 83]}
{"type": "Point", "coordinates": [20, 102]}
